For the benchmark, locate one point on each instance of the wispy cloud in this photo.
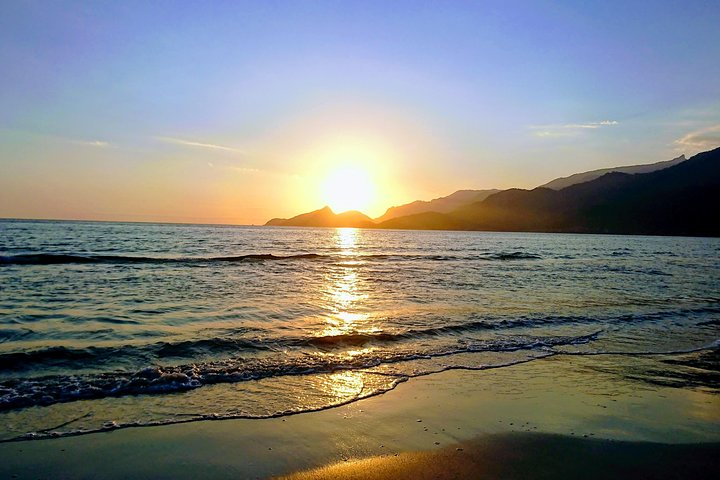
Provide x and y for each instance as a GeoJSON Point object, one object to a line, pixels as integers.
{"type": "Point", "coordinates": [191, 143]}
{"type": "Point", "coordinates": [701, 139]}
{"type": "Point", "coordinates": [91, 143]}
{"type": "Point", "coordinates": [246, 170]}
{"type": "Point", "coordinates": [553, 133]}
{"type": "Point", "coordinates": [569, 129]}
{"type": "Point", "coordinates": [235, 168]}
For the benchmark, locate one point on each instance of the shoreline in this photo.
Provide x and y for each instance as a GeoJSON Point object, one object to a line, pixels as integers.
{"type": "Point", "coordinates": [566, 396]}
{"type": "Point", "coordinates": [50, 433]}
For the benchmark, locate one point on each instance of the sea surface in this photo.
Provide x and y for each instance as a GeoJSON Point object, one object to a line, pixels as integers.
{"type": "Point", "coordinates": [110, 325]}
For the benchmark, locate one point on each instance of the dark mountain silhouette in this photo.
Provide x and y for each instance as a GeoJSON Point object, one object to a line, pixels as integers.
{"type": "Point", "coordinates": [440, 205]}
{"type": "Point", "coordinates": [428, 220]}
{"type": "Point", "coordinates": [325, 217]}
{"type": "Point", "coordinates": [680, 200]}
{"type": "Point", "coordinates": [564, 182]}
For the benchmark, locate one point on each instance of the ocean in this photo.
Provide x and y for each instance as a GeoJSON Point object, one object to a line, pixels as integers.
{"type": "Point", "coordinates": [112, 325]}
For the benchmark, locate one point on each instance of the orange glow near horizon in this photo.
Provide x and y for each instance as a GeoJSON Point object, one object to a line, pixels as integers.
{"type": "Point", "coordinates": [352, 173]}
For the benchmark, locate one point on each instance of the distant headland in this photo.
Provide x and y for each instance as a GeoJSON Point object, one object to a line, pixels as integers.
{"type": "Point", "coordinates": [674, 197]}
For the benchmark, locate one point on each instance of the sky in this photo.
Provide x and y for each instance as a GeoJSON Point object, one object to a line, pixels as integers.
{"type": "Point", "coordinates": [237, 112]}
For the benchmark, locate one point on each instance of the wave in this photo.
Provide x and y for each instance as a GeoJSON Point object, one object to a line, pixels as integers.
{"type": "Point", "coordinates": [71, 258]}
{"type": "Point", "coordinates": [93, 357]}
{"type": "Point", "coordinates": [715, 345]}
{"type": "Point", "coordinates": [230, 343]}
{"type": "Point", "coordinates": [352, 339]}
{"type": "Point", "coordinates": [59, 356]}
{"type": "Point", "coordinates": [361, 338]}
{"type": "Point", "coordinates": [49, 390]}
{"type": "Point", "coordinates": [490, 256]}
{"type": "Point", "coordinates": [395, 380]}
{"type": "Point", "coordinates": [80, 358]}
{"type": "Point", "coordinates": [60, 259]}
{"type": "Point", "coordinates": [511, 256]}
{"type": "Point", "coordinates": [51, 432]}
{"type": "Point", "coordinates": [357, 339]}
{"type": "Point", "coordinates": [166, 380]}
{"type": "Point", "coordinates": [710, 323]}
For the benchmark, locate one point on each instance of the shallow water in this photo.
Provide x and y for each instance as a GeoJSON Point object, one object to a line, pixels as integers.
{"type": "Point", "coordinates": [104, 325]}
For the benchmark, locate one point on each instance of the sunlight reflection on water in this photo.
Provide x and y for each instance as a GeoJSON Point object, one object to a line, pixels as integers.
{"type": "Point", "coordinates": [346, 240]}
{"type": "Point", "coordinates": [344, 385]}
{"type": "Point", "coordinates": [344, 298]}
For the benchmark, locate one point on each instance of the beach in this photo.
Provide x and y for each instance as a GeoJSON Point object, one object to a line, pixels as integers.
{"type": "Point", "coordinates": [502, 419]}
{"type": "Point", "coordinates": [187, 351]}
{"type": "Point", "coordinates": [312, 240]}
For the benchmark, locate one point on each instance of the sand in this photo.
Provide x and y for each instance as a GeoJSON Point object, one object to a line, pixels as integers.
{"type": "Point", "coordinates": [561, 404]}
{"type": "Point", "coordinates": [533, 455]}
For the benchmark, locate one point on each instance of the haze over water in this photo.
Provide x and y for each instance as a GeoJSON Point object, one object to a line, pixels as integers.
{"type": "Point", "coordinates": [104, 325]}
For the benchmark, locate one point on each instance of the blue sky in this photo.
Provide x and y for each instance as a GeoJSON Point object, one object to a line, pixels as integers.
{"type": "Point", "coordinates": [219, 111]}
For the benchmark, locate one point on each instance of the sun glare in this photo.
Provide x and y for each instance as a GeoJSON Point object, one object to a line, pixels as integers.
{"type": "Point", "coordinates": [348, 188]}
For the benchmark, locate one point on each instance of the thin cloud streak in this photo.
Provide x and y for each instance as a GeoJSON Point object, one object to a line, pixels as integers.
{"type": "Point", "coordinates": [701, 139]}
{"type": "Point", "coordinates": [246, 170]}
{"type": "Point", "coordinates": [572, 126]}
{"type": "Point", "coordinates": [557, 133]}
{"type": "Point", "coordinates": [569, 129]}
{"type": "Point", "coordinates": [190, 143]}
{"type": "Point", "coordinates": [91, 143]}
{"type": "Point", "coordinates": [235, 168]}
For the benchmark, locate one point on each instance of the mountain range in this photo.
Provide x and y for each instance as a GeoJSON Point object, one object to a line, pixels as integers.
{"type": "Point", "coordinates": [675, 197]}
{"type": "Point", "coordinates": [325, 217]}
{"type": "Point", "coordinates": [563, 182]}
{"type": "Point", "coordinates": [440, 205]}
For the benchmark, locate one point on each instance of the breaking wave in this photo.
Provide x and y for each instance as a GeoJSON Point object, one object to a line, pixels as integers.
{"type": "Point", "coordinates": [65, 259]}
{"type": "Point", "coordinates": [61, 259]}
{"type": "Point", "coordinates": [48, 390]}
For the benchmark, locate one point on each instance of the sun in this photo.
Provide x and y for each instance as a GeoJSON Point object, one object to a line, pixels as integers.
{"type": "Point", "coordinates": [348, 188]}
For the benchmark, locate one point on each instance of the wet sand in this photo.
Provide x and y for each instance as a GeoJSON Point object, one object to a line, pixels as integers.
{"type": "Point", "coordinates": [559, 406]}
{"type": "Point", "coordinates": [531, 455]}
